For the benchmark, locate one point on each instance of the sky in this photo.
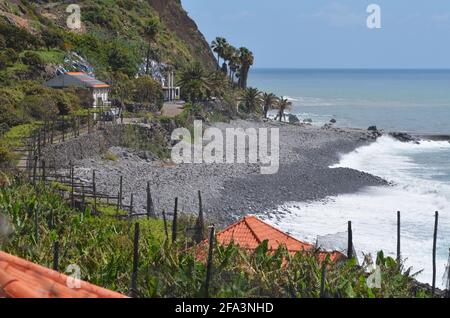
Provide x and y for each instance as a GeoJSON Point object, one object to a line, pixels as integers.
{"type": "Point", "coordinates": [330, 33]}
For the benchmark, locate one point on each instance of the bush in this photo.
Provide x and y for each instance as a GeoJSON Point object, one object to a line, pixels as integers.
{"type": "Point", "coordinates": [122, 59]}
{"type": "Point", "coordinates": [52, 39]}
{"type": "Point", "coordinates": [148, 91]}
{"type": "Point", "coordinates": [5, 154]}
{"type": "Point", "coordinates": [40, 107]}
{"type": "Point", "coordinates": [34, 61]}
{"type": "Point", "coordinates": [17, 38]}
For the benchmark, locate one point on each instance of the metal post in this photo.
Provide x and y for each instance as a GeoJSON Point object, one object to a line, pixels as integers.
{"type": "Point", "coordinates": [398, 239]}
{"type": "Point", "coordinates": [436, 221]}
{"type": "Point", "coordinates": [210, 259]}
{"type": "Point", "coordinates": [350, 241]}
{"type": "Point", "coordinates": [174, 222]}
{"type": "Point", "coordinates": [166, 230]}
{"type": "Point", "coordinates": [120, 192]}
{"type": "Point", "coordinates": [134, 275]}
{"type": "Point", "coordinates": [323, 279]}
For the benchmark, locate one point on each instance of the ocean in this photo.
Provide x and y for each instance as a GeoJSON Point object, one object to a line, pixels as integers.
{"type": "Point", "coordinates": [413, 101]}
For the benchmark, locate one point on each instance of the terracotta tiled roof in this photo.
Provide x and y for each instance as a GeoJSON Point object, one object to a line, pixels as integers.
{"type": "Point", "coordinates": [22, 279]}
{"type": "Point", "coordinates": [250, 232]}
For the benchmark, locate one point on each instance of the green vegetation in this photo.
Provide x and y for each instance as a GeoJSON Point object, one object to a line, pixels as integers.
{"type": "Point", "coordinates": [103, 248]}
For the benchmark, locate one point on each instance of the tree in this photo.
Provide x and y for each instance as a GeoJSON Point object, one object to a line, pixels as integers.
{"type": "Point", "coordinates": [122, 88]}
{"type": "Point", "coordinates": [269, 101]}
{"type": "Point", "coordinates": [231, 55]}
{"type": "Point", "coordinates": [218, 46]}
{"type": "Point", "coordinates": [121, 59]}
{"type": "Point", "coordinates": [195, 83]}
{"type": "Point", "coordinates": [147, 91]}
{"type": "Point", "coordinates": [246, 60]}
{"type": "Point", "coordinates": [152, 29]}
{"type": "Point", "coordinates": [251, 98]}
{"type": "Point", "coordinates": [283, 105]}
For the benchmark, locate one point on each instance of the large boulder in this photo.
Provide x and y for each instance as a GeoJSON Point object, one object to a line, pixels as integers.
{"type": "Point", "coordinates": [404, 137]}
{"type": "Point", "coordinates": [293, 119]}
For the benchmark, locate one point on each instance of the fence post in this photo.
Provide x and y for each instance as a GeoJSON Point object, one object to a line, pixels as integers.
{"type": "Point", "coordinates": [166, 230]}
{"type": "Point", "coordinates": [52, 132]}
{"type": "Point", "coordinates": [133, 288]}
{"type": "Point", "coordinates": [448, 276]}
{"type": "Point", "coordinates": [398, 239]}
{"type": "Point", "coordinates": [72, 186]}
{"type": "Point", "coordinates": [120, 191]}
{"type": "Point", "coordinates": [89, 121]}
{"type": "Point", "coordinates": [34, 169]}
{"type": "Point", "coordinates": [174, 222]}
{"type": "Point", "coordinates": [39, 143]}
{"type": "Point", "coordinates": [43, 170]}
{"type": "Point", "coordinates": [322, 280]}
{"type": "Point", "coordinates": [56, 255]}
{"type": "Point", "coordinates": [350, 241]}
{"type": "Point", "coordinates": [210, 259]}
{"type": "Point", "coordinates": [433, 288]}
{"type": "Point", "coordinates": [63, 129]}
{"type": "Point", "coordinates": [118, 202]}
{"type": "Point", "coordinates": [36, 224]}
{"type": "Point", "coordinates": [131, 205]}
{"type": "Point", "coordinates": [150, 207]}
{"type": "Point", "coordinates": [200, 221]}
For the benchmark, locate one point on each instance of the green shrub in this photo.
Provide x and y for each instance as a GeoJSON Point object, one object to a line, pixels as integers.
{"type": "Point", "coordinates": [147, 91]}
{"type": "Point", "coordinates": [103, 248]}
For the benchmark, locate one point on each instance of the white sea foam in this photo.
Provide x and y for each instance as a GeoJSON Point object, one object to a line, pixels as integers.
{"type": "Point", "coordinates": [373, 210]}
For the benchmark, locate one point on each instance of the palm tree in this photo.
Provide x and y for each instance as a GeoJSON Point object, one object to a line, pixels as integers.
{"type": "Point", "coordinates": [195, 83]}
{"type": "Point", "coordinates": [269, 101]}
{"type": "Point", "coordinates": [231, 55]}
{"type": "Point", "coordinates": [218, 46]}
{"type": "Point", "coordinates": [251, 97]}
{"type": "Point", "coordinates": [246, 59]}
{"type": "Point", "coordinates": [282, 105]}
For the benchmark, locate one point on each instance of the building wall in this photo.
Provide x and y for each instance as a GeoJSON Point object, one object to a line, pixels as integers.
{"type": "Point", "coordinates": [100, 93]}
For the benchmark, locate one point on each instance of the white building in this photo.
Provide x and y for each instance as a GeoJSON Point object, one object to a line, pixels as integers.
{"type": "Point", "coordinates": [100, 91]}
{"type": "Point", "coordinates": [171, 92]}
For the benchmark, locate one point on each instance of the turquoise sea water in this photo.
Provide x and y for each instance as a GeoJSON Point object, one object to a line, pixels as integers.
{"type": "Point", "coordinates": [394, 100]}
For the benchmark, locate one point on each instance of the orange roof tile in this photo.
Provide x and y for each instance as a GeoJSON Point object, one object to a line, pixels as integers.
{"type": "Point", "coordinates": [22, 279]}
{"type": "Point", "coordinates": [250, 232]}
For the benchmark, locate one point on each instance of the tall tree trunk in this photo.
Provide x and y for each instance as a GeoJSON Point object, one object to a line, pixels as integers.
{"type": "Point", "coordinates": [244, 76]}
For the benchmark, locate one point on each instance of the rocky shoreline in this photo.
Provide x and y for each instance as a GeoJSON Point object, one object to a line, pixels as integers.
{"type": "Point", "coordinates": [232, 191]}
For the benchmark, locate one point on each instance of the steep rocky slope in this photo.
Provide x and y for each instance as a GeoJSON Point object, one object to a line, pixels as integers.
{"type": "Point", "coordinates": [178, 40]}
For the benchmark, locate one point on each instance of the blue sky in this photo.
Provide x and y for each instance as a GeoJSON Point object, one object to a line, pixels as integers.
{"type": "Point", "coordinates": [330, 33]}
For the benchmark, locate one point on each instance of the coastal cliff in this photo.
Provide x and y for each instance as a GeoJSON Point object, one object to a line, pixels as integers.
{"type": "Point", "coordinates": [176, 39]}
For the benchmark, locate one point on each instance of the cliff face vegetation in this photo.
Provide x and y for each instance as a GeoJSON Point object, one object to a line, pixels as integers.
{"type": "Point", "coordinates": [128, 25]}
{"type": "Point", "coordinates": [176, 19]}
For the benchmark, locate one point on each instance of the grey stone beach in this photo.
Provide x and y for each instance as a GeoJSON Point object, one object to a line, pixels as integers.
{"type": "Point", "coordinates": [231, 191]}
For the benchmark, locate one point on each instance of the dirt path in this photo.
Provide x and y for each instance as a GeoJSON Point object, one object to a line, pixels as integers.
{"type": "Point", "coordinates": [172, 109]}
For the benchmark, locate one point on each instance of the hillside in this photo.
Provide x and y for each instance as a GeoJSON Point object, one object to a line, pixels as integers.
{"type": "Point", "coordinates": [111, 24]}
